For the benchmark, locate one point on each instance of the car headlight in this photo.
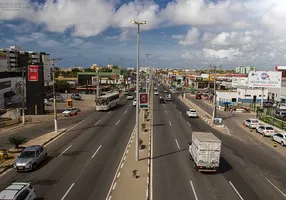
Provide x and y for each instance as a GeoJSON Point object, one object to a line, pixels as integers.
{"type": "Point", "coordinates": [29, 164]}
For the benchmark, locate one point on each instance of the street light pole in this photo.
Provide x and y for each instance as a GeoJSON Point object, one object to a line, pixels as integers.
{"type": "Point", "coordinates": [137, 86]}
{"type": "Point", "coordinates": [214, 97]}
{"type": "Point", "coordinates": [147, 55]}
{"type": "Point", "coordinates": [54, 94]}
{"type": "Point", "coordinates": [23, 96]}
{"type": "Point", "coordinates": [97, 85]}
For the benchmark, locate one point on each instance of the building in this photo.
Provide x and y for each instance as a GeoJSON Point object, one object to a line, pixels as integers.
{"type": "Point", "coordinates": [281, 69]}
{"type": "Point", "coordinates": [278, 94]}
{"type": "Point", "coordinates": [245, 70]}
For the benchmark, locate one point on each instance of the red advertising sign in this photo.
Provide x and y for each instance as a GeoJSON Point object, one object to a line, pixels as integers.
{"type": "Point", "coordinates": [143, 98]}
{"type": "Point", "coordinates": [33, 73]}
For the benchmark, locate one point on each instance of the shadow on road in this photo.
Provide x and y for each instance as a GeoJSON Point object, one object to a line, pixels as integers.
{"type": "Point", "coordinates": [170, 153]}
{"type": "Point", "coordinates": [159, 124]}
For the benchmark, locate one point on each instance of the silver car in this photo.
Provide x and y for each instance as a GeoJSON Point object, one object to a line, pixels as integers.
{"type": "Point", "coordinates": [30, 158]}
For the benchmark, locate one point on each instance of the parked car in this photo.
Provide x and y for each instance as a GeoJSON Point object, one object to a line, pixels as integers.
{"type": "Point", "coordinates": [130, 96]}
{"type": "Point", "coordinates": [126, 92]}
{"type": "Point", "coordinates": [30, 158]}
{"type": "Point", "coordinates": [198, 96]}
{"type": "Point", "coordinates": [192, 113]}
{"type": "Point", "coordinates": [58, 99]}
{"type": "Point", "coordinates": [70, 111]}
{"type": "Point", "coordinates": [18, 191]}
{"type": "Point", "coordinates": [46, 102]}
{"type": "Point", "coordinates": [134, 102]}
{"type": "Point", "coordinates": [280, 138]}
{"type": "Point", "coordinates": [168, 97]}
{"type": "Point", "coordinates": [265, 130]}
{"type": "Point", "coordinates": [251, 123]}
{"type": "Point", "coordinates": [162, 100]}
{"type": "Point", "coordinates": [75, 96]}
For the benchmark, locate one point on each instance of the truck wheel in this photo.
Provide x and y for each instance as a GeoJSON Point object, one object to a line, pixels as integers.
{"type": "Point", "coordinates": [195, 167]}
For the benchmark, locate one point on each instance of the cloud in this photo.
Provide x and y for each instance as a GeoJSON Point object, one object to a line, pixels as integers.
{"type": "Point", "coordinates": [178, 37]}
{"type": "Point", "coordinates": [191, 37]}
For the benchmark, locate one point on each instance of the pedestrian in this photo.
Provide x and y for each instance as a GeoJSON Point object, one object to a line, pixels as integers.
{"type": "Point", "coordinates": [234, 112]}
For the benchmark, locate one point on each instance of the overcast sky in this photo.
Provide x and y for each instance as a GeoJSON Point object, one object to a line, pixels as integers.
{"type": "Point", "coordinates": [178, 34]}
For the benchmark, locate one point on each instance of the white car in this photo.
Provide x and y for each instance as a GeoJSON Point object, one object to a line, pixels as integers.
{"type": "Point", "coordinates": [130, 97]}
{"type": "Point", "coordinates": [18, 190]}
{"type": "Point", "coordinates": [265, 130]}
{"type": "Point", "coordinates": [156, 93]}
{"type": "Point", "coordinates": [192, 113]}
{"type": "Point", "coordinates": [134, 102]}
{"type": "Point", "coordinates": [70, 112]}
{"type": "Point", "coordinates": [251, 123]}
{"type": "Point", "coordinates": [280, 138]}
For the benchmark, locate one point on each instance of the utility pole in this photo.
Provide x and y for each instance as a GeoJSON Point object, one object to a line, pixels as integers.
{"type": "Point", "coordinates": [137, 86]}
{"type": "Point", "coordinates": [214, 96]}
{"type": "Point", "coordinates": [147, 55]}
{"type": "Point", "coordinates": [54, 94]}
{"type": "Point", "coordinates": [98, 82]}
{"type": "Point", "coordinates": [23, 95]}
{"type": "Point", "coordinates": [209, 77]}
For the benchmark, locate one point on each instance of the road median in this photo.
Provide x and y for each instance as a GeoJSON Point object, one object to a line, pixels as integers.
{"type": "Point", "coordinates": [132, 178]}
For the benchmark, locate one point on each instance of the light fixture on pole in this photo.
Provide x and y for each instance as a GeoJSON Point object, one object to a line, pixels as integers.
{"type": "Point", "coordinates": [137, 86]}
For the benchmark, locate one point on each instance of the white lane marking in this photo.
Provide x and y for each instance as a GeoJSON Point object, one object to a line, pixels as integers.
{"type": "Point", "coordinates": [125, 112]}
{"type": "Point", "coordinates": [117, 122]}
{"type": "Point", "coordinates": [177, 144]}
{"type": "Point", "coordinates": [181, 113]}
{"type": "Point", "coordinates": [118, 174]}
{"type": "Point", "coordinates": [152, 153]}
{"type": "Point", "coordinates": [275, 187]}
{"type": "Point", "coordinates": [189, 124]}
{"type": "Point", "coordinates": [166, 112]}
{"type": "Point", "coordinates": [65, 151]}
{"type": "Point", "coordinates": [120, 165]}
{"type": "Point", "coordinates": [97, 122]}
{"type": "Point", "coordinates": [235, 190]}
{"type": "Point", "coordinates": [67, 192]}
{"type": "Point", "coordinates": [109, 112]}
{"type": "Point", "coordinates": [163, 104]}
{"type": "Point", "coordinates": [114, 186]}
{"type": "Point", "coordinates": [109, 197]}
{"type": "Point", "coordinates": [130, 105]}
{"type": "Point", "coordinates": [194, 191]}
{"type": "Point", "coordinates": [96, 151]}
{"type": "Point", "coordinates": [170, 123]}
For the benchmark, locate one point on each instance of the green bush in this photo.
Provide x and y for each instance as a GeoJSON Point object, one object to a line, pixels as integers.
{"type": "Point", "coordinates": [17, 141]}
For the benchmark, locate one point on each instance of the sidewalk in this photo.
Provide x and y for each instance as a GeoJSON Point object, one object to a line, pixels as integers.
{"type": "Point", "coordinates": [132, 178]}
{"type": "Point", "coordinates": [42, 140]}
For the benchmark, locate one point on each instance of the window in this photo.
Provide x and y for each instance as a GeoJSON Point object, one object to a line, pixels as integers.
{"type": "Point", "coordinates": [23, 195]}
{"type": "Point", "coordinates": [37, 153]}
{"type": "Point", "coordinates": [41, 149]}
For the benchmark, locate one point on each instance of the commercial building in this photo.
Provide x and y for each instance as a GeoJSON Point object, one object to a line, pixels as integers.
{"type": "Point", "coordinates": [281, 69]}
{"type": "Point", "coordinates": [278, 94]}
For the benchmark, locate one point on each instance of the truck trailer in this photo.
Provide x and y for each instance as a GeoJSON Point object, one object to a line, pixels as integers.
{"type": "Point", "coordinates": [204, 150]}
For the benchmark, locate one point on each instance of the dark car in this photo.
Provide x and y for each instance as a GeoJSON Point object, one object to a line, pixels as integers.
{"type": "Point", "coordinates": [162, 100]}
{"type": "Point", "coordinates": [198, 96]}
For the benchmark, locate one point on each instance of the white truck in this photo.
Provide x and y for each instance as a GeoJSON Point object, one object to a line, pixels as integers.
{"type": "Point", "coordinates": [204, 150]}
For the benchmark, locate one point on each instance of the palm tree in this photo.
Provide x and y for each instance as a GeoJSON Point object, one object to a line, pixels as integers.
{"type": "Point", "coordinates": [17, 141]}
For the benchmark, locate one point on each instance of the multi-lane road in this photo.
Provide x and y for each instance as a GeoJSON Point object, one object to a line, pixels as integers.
{"type": "Point", "coordinates": [247, 172]}
{"type": "Point", "coordinates": [83, 161]}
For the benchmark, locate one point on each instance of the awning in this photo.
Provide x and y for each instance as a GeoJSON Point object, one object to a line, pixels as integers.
{"type": "Point", "coordinates": [9, 94]}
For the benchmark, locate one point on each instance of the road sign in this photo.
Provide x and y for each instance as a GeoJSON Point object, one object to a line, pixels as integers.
{"type": "Point", "coordinates": [143, 101]}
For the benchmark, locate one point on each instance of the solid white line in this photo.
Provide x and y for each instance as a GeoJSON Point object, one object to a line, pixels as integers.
{"type": "Point", "coordinates": [97, 122]}
{"type": "Point", "coordinates": [96, 151]}
{"type": "Point", "coordinates": [235, 190]}
{"type": "Point", "coordinates": [125, 112]}
{"type": "Point", "coordinates": [152, 154]}
{"type": "Point", "coordinates": [67, 192]}
{"type": "Point", "coordinates": [117, 122]}
{"type": "Point", "coordinates": [119, 166]}
{"type": "Point", "coordinates": [118, 174]}
{"type": "Point", "coordinates": [65, 151]}
{"type": "Point", "coordinates": [275, 187]}
{"type": "Point", "coordinates": [177, 144]}
{"type": "Point", "coordinates": [166, 112]}
{"type": "Point", "coordinates": [189, 124]}
{"type": "Point", "coordinates": [170, 123]}
{"type": "Point", "coordinates": [109, 197]}
{"type": "Point", "coordinates": [194, 191]}
{"type": "Point", "coordinates": [114, 186]}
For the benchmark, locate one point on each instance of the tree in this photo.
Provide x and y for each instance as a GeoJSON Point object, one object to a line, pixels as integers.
{"type": "Point", "coordinates": [62, 86]}
{"type": "Point", "coordinates": [17, 141]}
{"type": "Point", "coordinates": [88, 70]}
{"type": "Point", "coordinates": [115, 67]}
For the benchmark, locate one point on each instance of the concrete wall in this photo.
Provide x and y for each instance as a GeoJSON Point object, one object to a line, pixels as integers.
{"type": "Point", "coordinates": [278, 94]}
{"type": "Point", "coordinates": [222, 97]}
{"type": "Point", "coordinates": [246, 95]}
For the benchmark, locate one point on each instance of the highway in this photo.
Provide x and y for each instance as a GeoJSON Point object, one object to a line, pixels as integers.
{"type": "Point", "coordinates": [83, 161]}
{"type": "Point", "coordinates": [247, 172]}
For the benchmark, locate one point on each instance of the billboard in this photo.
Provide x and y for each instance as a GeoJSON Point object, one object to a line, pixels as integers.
{"type": "Point", "coordinates": [47, 69]}
{"type": "Point", "coordinates": [33, 73]}
{"type": "Point", "coordinates": [143, 101]}
{"type": "Point", "coordinates": [265, 79]}
{"type": "Point", "coordinates": [3, 62]}
{"type": "Point", "coordinates": [239, 82]}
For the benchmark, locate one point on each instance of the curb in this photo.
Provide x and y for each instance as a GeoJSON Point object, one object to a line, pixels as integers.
{"type": "Point", "coordinates": [51, 139]}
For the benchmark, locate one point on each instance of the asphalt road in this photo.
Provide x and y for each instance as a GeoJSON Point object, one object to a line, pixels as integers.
{"type": "Point", "coordinates": [246, 172]}
{"type": "Point", "coordinates": [83, 161]}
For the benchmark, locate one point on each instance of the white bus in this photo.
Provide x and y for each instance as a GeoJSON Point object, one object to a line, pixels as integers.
{"type": "Point", "coordinates": [107, 101]}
